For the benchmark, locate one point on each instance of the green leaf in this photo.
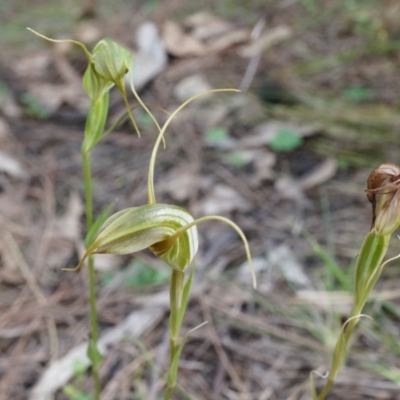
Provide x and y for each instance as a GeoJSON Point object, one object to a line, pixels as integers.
{"type": "Point", "coordinates": [97, 224]}
{"type": "Point", "coordinates": [93, 353]}
{"type": "Point", "coordinates": [142, 275]}
{"type": "Point", "coordinates": [74, 394]}
{"type": "Point", "coordinates": [173, 370]}
{"type": "Point", "coordinates": [236, 159]}
{"type": "Point", "coordinates": [217, 135]}
{"type": "Point", "coordinates": [185, 297]}
{"type": "Point", "coordinates": [145, 121]}
{"type": "Point", "coordinates": [94, 84]}
{"type": "Point", "coordinates": [79, 369]}
{"type": "Point", "coordinates": [372, 252]}
{"type": "Point", "coordinates": [95, 122]}
{"type": "Point", "coordinates": [357, 94]}
{"type": "Point", "coordinates": [106, 277]}
{"type": "Point", "coordinates": [285, 140]}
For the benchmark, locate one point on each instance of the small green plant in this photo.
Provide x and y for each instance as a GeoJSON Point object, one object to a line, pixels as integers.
{"type": "Point", "coordinates": [357, 94]}
{"type": "Point", "coordinates": [285, 140]}
{"type": "Point", "coordinates": [169, 231]}
{"type": "Point", "coordinates": [216, 136]}
{"type": "Point", "coordinates": [107, 66]}
{"type": "Point", "coordinates": [70, 390]}
{"type": "Point", "coordinates": [383, 191]}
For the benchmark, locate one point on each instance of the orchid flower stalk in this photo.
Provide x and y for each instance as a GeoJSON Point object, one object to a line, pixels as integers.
{"type": "Point", "coordinates": [170, 232]}
{"type": "Point", "coordinates": [107, 66]}
{"type": "Point", "coordinates": [383, 191]}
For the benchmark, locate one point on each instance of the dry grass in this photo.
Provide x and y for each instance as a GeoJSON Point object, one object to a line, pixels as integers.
{"type": "Point", "coordinates": [257, 345]}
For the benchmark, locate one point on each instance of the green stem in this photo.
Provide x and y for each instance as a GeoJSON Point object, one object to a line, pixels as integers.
{"type": "Point", "coordinates": [94, 325]}
{"type": "Point", "coordinates": [368, 269]}
{"type": "Point", "coordinates": [176, 291]}
{"type": "Point", "coordinates": [88, 188]}
{"type": "Point", "coordinates": [340, 356]}
{"type": "Point", "coordinates": [92, 276]}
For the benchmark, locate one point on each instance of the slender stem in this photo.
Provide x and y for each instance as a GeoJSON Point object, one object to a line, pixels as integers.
{"type": "Point", "coordinates": [94, 325]}
{"type": "Point", "coordinates": [88, 188]}
{"type": "Point", "coordinates": [349, 329]}
{"type": "Point", "coordinates": [176, 291]}
{"type": "Point", "coordinates": [92, 276]}
{"type": "Point", "coordinates": [168, 393]}
{"type": "Point", "coordinates": [368, 269]}
{"type": "Point", "coordinates": [175, 294]}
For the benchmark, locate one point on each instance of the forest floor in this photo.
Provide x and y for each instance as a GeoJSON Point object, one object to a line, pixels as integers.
{"type": "Point", "coordinates": [287, 159]}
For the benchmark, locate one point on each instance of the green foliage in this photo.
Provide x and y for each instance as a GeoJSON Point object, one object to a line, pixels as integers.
{"type": "Point", "coordinates": [331, 268]}
{"type": "Point", "coordinates": [74, 394]}
{"type": "Point", "coordinates": [216, 136]}
{"type": "Point", "coordinates": [95, 122]}
{"type": "Point", "coordinates": [357, 94]}
{"type": "Point", "coordinates": [236, 159]}
{"type": "Point", "coordinates": [141, 274]}
{"type": "Point", "coordinates": [96, 225]}
{"type": "Point", "coordinates": [33, 107]}
{"type": "Point", "coordinates": [93, 353]}
{"type": "Point", "coordinates": [285, 140]}
{"type": "Point", "coordinates": [149, 6]}
{"type": "Point", "coordinates": [79, 369]}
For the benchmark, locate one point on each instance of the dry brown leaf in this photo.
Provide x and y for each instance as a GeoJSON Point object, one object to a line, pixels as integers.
{"type": "Point", "coordinates": [293, 189]}
{"type": "Point", "coordinates": [289, 188]}
{"type": "Point", "coordinates": [11, 166]}
{"type": "Point", "coordinates": [68, 226]}
{"type": "Point", "coordinates": [265, 41]}
{"type": "Point", "coordinates": [205, 26]}
{"type": "Point", "coordinates": [151, 57]}
{"type": "Point", "coordinates": [5, 132]}
{"type": "Point", "coordinates": [60, 372]}
{"type": "Point", "coordinates": [338, 302]}
{"type": "Point", "coordinates": [228, 40]}
{"type": "Point", "coordinates": [191, 86]}
{"type": "Point", "coordinates": [221, 199]}
{"type": "Point", "coordinates": [34, 66]}
{"type": "Point", "coordinates": [105, 262]}
{"type": "Point", "coordinates": [8, 105]}
{"type": "Point", "coordinates": [180, 44]}
{"type": "Point", "coordinates": [320, 174]}
{"type": "Point", "coordinates": [66, 238]}
{"type": "Point", "coordinates": [262, 271]}
{"type": "Point", "coordinates": [11, 208]}
{"type": "Point", "coordinates": [9, 271]}
{"type": "Point", "coordinates": [180, 184]}
{"type": "Point", "coordinates": [87, 33]}
{"type": "Point", "coordinates": [263, 165]}
{"type": "Point", "coordinates": [282, 258]}
{"type": "Point", "coordinates": [53, 96]}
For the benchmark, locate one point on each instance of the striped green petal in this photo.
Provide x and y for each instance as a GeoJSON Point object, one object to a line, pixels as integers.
{"type": "Point", "coordinates": [150, 226]}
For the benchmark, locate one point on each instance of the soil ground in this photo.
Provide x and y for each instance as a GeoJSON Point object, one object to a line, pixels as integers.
{"type": "Point", "coordinates": [287, 160]}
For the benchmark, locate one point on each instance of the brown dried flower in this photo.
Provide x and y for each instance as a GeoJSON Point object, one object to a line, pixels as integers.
{"type": "Point", "coordinates": [383, 191]}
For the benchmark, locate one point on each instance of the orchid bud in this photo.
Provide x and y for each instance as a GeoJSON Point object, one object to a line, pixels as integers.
{"type": "Point", "coordinates": [383, 191]}
{"type": "Point", "coordinates": [112, 61]}
{"type": "Point", "coordinates": [108, 64]}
